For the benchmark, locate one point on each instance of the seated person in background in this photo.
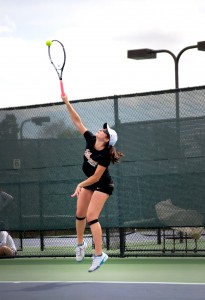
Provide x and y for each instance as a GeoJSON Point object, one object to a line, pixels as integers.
{"type": "Point", "coordinates": [170, 214]}
{"type": "Point", "coordinates": [7, 246]}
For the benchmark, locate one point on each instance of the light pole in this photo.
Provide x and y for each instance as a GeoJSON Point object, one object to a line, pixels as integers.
{"type": "Point", "coordinates": [150, 53]}
{"type": "Point", "coordinates": [37, 120]}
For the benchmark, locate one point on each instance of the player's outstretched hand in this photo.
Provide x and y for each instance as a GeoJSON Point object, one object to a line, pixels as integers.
{"type": "Point", "coordinates": [77, 191]}
{"type": "Point", "coordinates": [64, 98]}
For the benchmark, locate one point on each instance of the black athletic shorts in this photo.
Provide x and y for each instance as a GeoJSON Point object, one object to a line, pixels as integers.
{"type": "Point", "coordinates": [104, 188]}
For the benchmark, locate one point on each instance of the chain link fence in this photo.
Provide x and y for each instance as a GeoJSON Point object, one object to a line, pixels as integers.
{"type": "Point", "coordinates": [158, 205]}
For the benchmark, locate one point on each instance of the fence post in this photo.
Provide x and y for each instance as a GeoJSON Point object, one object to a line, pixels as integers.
{"type": "Point", "coordinates": [121, 229]}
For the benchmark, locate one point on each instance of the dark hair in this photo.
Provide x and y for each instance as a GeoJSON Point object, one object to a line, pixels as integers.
{"type": "Point", "coordinates": [114, 154]}
{"type": "Point", "coordinates": [106, 132]}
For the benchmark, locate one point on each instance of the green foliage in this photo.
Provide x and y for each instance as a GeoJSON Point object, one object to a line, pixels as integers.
{"type": "Point", "coordinates": [9, 127]}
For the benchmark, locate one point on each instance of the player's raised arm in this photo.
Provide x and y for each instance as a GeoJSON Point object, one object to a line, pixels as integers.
{"type": "Point", "coordinates": [74, 115]}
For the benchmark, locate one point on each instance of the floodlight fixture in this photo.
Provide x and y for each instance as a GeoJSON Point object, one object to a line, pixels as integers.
{"type": "Point", "coordinates": [141, 54]}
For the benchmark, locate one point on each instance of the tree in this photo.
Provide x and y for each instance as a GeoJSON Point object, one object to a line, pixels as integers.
{"type": "Point", "coordinates": [9, 128]}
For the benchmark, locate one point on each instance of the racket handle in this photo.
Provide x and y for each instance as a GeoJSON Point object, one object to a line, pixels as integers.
{"type": "Point", "coordinates": [62, 88]}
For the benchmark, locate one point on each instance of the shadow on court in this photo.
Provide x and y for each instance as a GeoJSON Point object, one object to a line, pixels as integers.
{"type": "Point", "coordinates": [100, 291]}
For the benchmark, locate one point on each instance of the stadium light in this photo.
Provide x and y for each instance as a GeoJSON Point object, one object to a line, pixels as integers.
{"type": "Point", "coordinates": [147, 53]}
{"type": "Point", "coordinates": [150, 53]}
{"type": "Point", "coordinates": [36, 120]}
{"type": "Point", "coordinates": [40, 120]}
{"type": "Point", "coordinates": [201, 46]}
{"type": "Point", "coordinates": [141, 54]}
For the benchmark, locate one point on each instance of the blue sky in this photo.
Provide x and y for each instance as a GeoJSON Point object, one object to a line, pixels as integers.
{"type": "Point", "coordinates": [96, 35]}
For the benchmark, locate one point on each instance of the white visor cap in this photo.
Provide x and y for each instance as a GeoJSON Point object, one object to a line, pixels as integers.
{"type": "Point", "coordinates": [112, 134]}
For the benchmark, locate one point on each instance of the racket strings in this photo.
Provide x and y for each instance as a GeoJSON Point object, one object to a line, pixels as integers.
{"type": "Point", "coordinates": [57, 55]}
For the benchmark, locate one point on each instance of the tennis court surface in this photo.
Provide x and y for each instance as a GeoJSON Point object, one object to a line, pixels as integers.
{"type": "Point", "coordinates": [119, 278]}
{"type": "Point", "coordinates": [101, 291]}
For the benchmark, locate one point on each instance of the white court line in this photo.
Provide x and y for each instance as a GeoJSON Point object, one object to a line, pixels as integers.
{"type": "Point", "coordinates": [111, 282]}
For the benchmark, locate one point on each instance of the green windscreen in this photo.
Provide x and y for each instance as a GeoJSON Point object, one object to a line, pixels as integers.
{"type": "Point", "coordinates": [159, 182]}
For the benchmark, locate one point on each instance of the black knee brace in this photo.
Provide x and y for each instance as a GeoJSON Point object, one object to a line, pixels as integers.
{"type": "Point", "coordinates": [80, 219]}
{"type": "Point", "coordinates": [93, 222]}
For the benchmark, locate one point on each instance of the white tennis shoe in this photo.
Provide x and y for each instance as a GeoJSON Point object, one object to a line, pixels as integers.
{"type": "Point", "coordinates": [98, 261]}
{"type": "Point", "coordinates": [80, 251]}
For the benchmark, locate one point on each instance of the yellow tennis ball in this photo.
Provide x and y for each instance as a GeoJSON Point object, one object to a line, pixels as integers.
{"type": "Point", "coordinates": [48, 43]}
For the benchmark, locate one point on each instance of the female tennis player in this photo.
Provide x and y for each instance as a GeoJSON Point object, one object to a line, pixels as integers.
{"type": "Point", "coordinates": [93, 192]}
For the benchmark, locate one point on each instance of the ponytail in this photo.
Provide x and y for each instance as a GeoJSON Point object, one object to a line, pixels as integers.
{"type": "Point", "coordinates": [114, 155]}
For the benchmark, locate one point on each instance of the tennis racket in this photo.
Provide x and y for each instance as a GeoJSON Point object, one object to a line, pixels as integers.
{"type": "Point", "coordinates": [57, 56]}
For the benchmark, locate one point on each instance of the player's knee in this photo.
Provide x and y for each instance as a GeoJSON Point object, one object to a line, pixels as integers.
{"type": "Point", "coordinates": [6, 251]}
{"type": "Point", "coordinates": [93, 222]}
{"type": "Point", "coordinates": [92, 218]}
{"type": "Point", "coordinates": [80, 218]}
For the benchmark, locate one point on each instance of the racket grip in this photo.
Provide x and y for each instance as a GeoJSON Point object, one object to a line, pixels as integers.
{"type": "Point", "coordinates": [62, 88]}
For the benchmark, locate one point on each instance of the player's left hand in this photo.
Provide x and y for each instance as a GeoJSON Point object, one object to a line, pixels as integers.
{"type": "Point", "coordinates": [77, 191]}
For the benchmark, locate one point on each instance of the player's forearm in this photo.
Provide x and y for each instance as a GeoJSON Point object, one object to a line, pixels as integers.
{"type": "Point", "coordinates": [73, 114]}
{"type": "Point", "coordinates": [91, 180]}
